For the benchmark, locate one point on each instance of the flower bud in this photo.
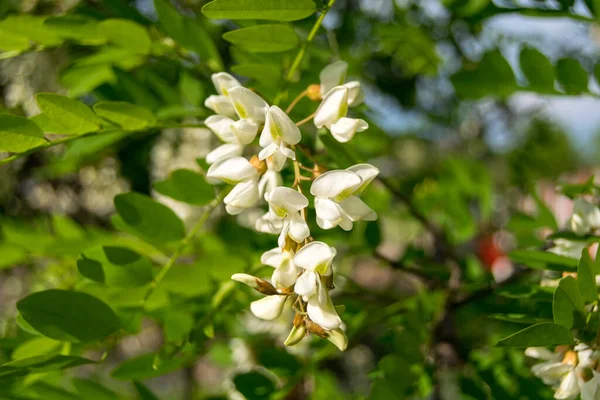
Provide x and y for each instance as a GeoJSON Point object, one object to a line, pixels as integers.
{"type": "Point", "coordinates": [260, 285]}
{"type": "Point", "coordinates": [260, 165]}
{"type": "Point", "coordinates": [316, 329]}
{"type": "Point", "coordinates": [338, 338]}
{"type": "Point", "coordinates": [313, 92]}
{"type": "Point", "coordinates": [570, 358]}
{"type": "Point", "coordinates": [296, 335]}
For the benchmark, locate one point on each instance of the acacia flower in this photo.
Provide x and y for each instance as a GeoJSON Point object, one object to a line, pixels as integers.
{"type": "Point", "coordinates": [334, 75]}
{"type": "Point", "coordinates": [221, 104]}
{"type": "Point", "coordinates": [235, 135]}
{"type": "Point", "coordinates": [285, 273]}
{"type": "Point", "coordinates": [284, 215]}
{"type": "Point", "coordinates": [316, 259]}
{"type": "Point", "coordinates": [270, 306]}
{"type": "Point", "coordinates": [279, 132]}
{"type": "Point", "coordinates": [336, 196]}
{"type": "Point", "coordinates": [332, 111]}
{"type": "Point", "coordinates": [586, 217]}
{"type": "Point", "coordinates": [239, 172]}
{"type": "Point", "coordinates": [248, 105]}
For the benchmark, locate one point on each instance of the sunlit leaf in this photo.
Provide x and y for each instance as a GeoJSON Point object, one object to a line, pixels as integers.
{"type": "Point", "coordinates": [277, 10]}
{"type": "Point", "coordinates": [186, 186]}
{"type": "Point", "coordinates": [18, 134]}
{"type": "Point", "coordinates": [270, 38]}
{"type": "Point", "coordinates": [71, 115]}
{"type": "Point", "coordinates": [128, 116]}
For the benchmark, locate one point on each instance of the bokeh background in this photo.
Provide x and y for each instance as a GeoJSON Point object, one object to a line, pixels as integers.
{"type": "Point", "coordinates": [478, 110]}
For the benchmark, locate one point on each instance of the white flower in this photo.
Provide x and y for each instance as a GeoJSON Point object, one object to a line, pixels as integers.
{"type": "Point", "coordinates": [336, 196]}
{"type": "Point", "coordinates": [235, 134]}
{"type": "Point", "coordinates": [285, 273]}
{"type": "Point", "coordinates": [278, 132]}
{"type": "Point", "coordinates": [270, 180]}
{"type": "Point", "coordinates": [586, 217]}
{"type": "Point", "coordinates": [284, 215]}
{"type": "Point", "coordinates": [334, 75]}
{"type": "Point", "coordinates": [569, 386]}
{"type": "Point", "coordinates": [248, 105]}
{"type": "Point", "coordinates": [567, 248]}
{"type": "Point", "coordinates": [270, 306]}
{"type": "Point", "coordinates": [332, 111]}
{"type": "Point", "coordinates": [239, 172]}
{"type": "Point", "coordinates": [221, 104]}
{"type": "Point", "coordinates": [561, 373]}
{"type": "Point", "coordinates": [316, 259]}
{"type": "Point", "coordinates": [591, 389]}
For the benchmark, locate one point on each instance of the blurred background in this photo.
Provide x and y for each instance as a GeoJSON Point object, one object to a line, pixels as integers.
{"type": "Point", "coordinates": [478, 109]}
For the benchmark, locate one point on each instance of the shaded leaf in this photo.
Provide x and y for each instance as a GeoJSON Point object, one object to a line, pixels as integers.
{"type": "Point", "coordinates": [254, 385]}
{"type": "Point", "coordinates": [571, 75]}
{"type": "Point", "coordinates": [115, 266]}
{"type": "Point", "coordinates": [493, 77]}
{"type": "Point", "coordinates": [567, 305]}
{"type": "Point", "coordinates": [187, 186]}
{"type": "Point", "coordinates": [276, 10]}
{"type": "Point", "coordinates": [144, 392]}
{"type": "Point", "coordinates": [31, 365]}
{"type": "Point", "coordinates": [127, 115]}
{"type": "Point", "coordinates": [270, 38]}
{"type": "Point", "coordinates": [544, 260]}
{"type": "Point", "coordinates": [544, 334]}
{"type": "Point", "coordinates": [91, 390]}
{"type": "Point", "coordinates": [146, 366]}
{"type": "Point", "coordinates": [67, 315]}
{"type": "Point", "coordinates": [127, 34]}
{"type": "Point", "coordinates": [586, 278]}
{"type": "Point", "coordinates": [538, 70]}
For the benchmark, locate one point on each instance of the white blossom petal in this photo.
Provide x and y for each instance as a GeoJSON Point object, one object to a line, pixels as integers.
{"type": "Point", "coordinates": [367, 172]}
{"type": "Point", "coordinates": [335, 184]}
{"type": "Point", "coordinates": [327, 209]}
{"type": "Point", "coordinates": [279, 159]}
{"type": "Point", "coordinates": [269, 181]}
{"type": "Point", "coordinates": [345, 128]}
{"type": "Point", "coordinates": [245, 130]}
{"type": "Point", "coordinates": [298, 229]}
{"type": "Point", "coordinates": [333, 75]}
{"type": "Point", "coordinates": [285, 274]}
{"type": "Point", "coordinates": [269, 307]}
{"type": "Point", "coordinates": [224, 152]}
{"type": "Point", "coordinates": [325, 224]}
{"type": "Point", "coordinates": [243, 195]}
{"type": "Point", "coordinates": [223, 82]}
{"type": "Point", "coordinates": [221, 126]}
{"type": "Point", "coordinates": [279, 127]}
{"type": "Point", "coordinates": [272, 257]}
{"type": "Point", "coordinates": [355, 94]}
{"type": "Point", "coordinates": [287, 199]}
{"type": "Point", "coordinates": [338, 338]}
{"type": "Point", "coordinates": [232, 170]}
{"type": "Point", "coordinates": [591, 389]}
{"type": "Point", "coordinates": [246, 279]}
{"type": "Point", "coordinates": [267, 224]}
{"type": "Point", "coordinates": [220, 104]}
{"type": "Point", "coordinates": [357, 210]}
{"type": "Point", "coordinates": [569, 386]}
{"type": "Point", "coordinates": [323, 313]}
{"type": "Point", "coordinates": [315, 256]}
{"type": "Point", "coordinates": [248, 104]}
{"type": "Point", "coordinates": [306, 284]}
{"type": "Point", "coordinates": [333, 107]}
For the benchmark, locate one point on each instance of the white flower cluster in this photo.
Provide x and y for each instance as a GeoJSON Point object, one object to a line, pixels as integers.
{"type": "Point", "coordinates": [303, 272]}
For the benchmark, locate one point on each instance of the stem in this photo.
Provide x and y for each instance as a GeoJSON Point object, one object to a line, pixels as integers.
{"type": "Point", "coordinates": [295, 101]}
{"type": "Point", "coordinates": [184, 243]}
{"type": "Point", "coordinates": [311, 35]}
{"type": "Point", "coordinates": [305, 120]}
{"type": "Point", "coordinates": [68, 139]}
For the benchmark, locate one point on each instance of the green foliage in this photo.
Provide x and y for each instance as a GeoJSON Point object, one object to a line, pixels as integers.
{"type": "Point", "coordinates": [186, 186]}
{"type": "Point", "coordinates": [276, 10]}
{"type": "Point", "coordinates": [115, 266]}
{"type": "Point", "coordinates": [493, 75]}
{"type": "Point", "coordinates": [18, 134]}
{"type": "Point", "coordinates": [69, 116]}
{"type": "Point", "coordinates": [127, 116]}
{"type": "Point", "coordinates": [272, 38]}
{"type": "Point", "coordinates": [544, 334]}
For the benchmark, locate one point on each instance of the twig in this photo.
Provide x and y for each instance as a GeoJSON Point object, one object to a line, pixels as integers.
{"type": "Point", "coordinates": [305, 120]}
{"type": "Point", "coordinates": [295, 101]}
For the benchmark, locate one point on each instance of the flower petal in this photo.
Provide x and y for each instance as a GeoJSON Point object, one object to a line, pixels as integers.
{"type": "Point", "coordinates": [243, 195]}
{"type": "Point", "coordinates": [221, 126]}
{"type": "Point", "coordinates": [232, 170]}
{"type": "Point", "coordinates": [367, 172]}
{"type": "Point", "coordinates": [315, 256]}
{"type": "Point", "coordinates": [287, 199]}
{"type": "Point", "coordinates": [272, 257]}
{"type": "Point", "coordinates": [298, 228]}
{"type": "Point", "coordinates": [357, 210]}
{"type": "Point", "coordinates": [338, 338]}
{"type": "Point", "coordinates": [248, 104]}
{"type": "Point", "coordinates": [266, 224]}
{"type": "Point", "coordinates": [220, 104]}
{"type": "Point", "coordinates": [355, 94]}
{"type": "Point", "coordinates": [591, 389]}
{"type": "Point", "coordinates": [279, 127]}
{"type": "Point", "coordinates": [327, 209]}
{"type": "Point", "coordinates": [334, 184]}
{"type": "Point", "coordinates": [323, 314]}
{"type": "Point", "coordinates": [279, 159]}
{"type": "Point", "coordinates": [325, 224]}
{"type": "Point", "coordinates": [345, 128]}
{"type": "Point", "coordinates": [306, 284]}
{"type": "Point", "coordinates": [224, 152]}
{"type": "Point", "coordinates": [569, 386]}
{"type": "Point", "coordinates": [245, 130]}
{"type": "Point", "coordinates": [246, 279]}
{"type": "Point", "coordinates": [223, 82]}
{"type": "Point", "coordinates": [269, 307]}
{"type": "Point", "coordinates": [285, 275]}
{"type": "Point", "coordinates": [333, 107]}
{"type": "Point", "coordinates": [333, 75]}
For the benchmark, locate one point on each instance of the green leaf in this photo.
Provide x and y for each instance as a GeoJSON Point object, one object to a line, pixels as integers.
{"type": "Point", "coordinates": [177, 324]}
{"type": "Point", "coordinates": [273, 38]}
{"type": "Point", "coordinates": [544, 260]}
{"type": "Point", "coordinates": [254, 385]}
{"type": "Point", "coordinates": [192, 89]}
{"type": "Point", "coordinates": [38, 346]}
{"type": "Point", "coordinates": [18, 134]}
{"type": "Point", "coordinates": [78, 28]}
{"type": "Point", "coordinates": [148, 219]}
{"type": "Point", "coordinates": [91, 390]}
{"type": "Point", "coordinates": [567, 305]}
{"type": "Point", "coordinates": [544, 334]}
{"type": "Point", "coordinates": [72, 116]}
{"type": "Point", "coordinates": [115, 266]}
{"type": "Point", "coordinates": [189, 33]}
{"type": "Point", "coordinates": [538, 70]}
{"type": "Point", "coordinates": [127, 34]}
{"type": "Point", "coordinates": [186, 186]}
{"type": "Point", "coordinates": [38, 364]}
{"type": "Point", "coordinates": [572, 76]}
{"type": "Point", "coordinates": [83, 79]}
{"type": "Point", "coordinates": [144, 392]}
{"type": "Point", "coordinates": [67, 315]}
{"type": "Point", "coordinates": [586, 278]}
{"type": "Point", "coordinates": [32, 27]}
{"type": "Point", "coordinates": [128, 116]}
{"type": "Point", "coordinates": [47, 391]}
{"type": "Point", "coordinates": [493, 75]}
{"type": "Point", "coordinates": [518, 318]}
{"type": "Point", "coordinates": [146, 366]}
{"type": "Point", "coordinates": [268, 74]}
{"type": "Point", "coordinates": [11, 255]}
{"type": "Point", "coordinates": [275, 10]}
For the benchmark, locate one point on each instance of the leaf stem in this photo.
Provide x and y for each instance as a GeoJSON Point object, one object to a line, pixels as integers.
{"type": "Point", "coordinates": [305, 120]}
{"type": "Point", "coordinates": [295, 101]}
{"type": "Point", "coordinates": [68, 139]}
{"type": "Point", "coordinates": [184, 243]}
